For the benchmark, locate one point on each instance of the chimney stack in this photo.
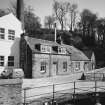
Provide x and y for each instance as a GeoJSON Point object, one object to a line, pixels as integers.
{"type": "Point", "coordinates": [20, 11]}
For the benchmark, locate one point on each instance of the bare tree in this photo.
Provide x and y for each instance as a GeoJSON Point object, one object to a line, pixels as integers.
{"type": "Point", "coordinates": [13, 7]}
{"type": "Point", "coordinates": [32, 22]}
{"type": "Point", "coordinates": [72, 14]}
{"type": "Point", "coordinates": [60, 11]}
{"type": "Point", "coordinates": [49, 21]}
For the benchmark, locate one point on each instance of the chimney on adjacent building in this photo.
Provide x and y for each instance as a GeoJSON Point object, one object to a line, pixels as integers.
{"type": "Point", "coordinates": [20, 11]}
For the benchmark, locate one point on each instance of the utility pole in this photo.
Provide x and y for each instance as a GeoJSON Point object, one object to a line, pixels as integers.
{"type": "Point", "coordinates": [53, 95]}
{"type": "Point", "coordinates": [74, 94]}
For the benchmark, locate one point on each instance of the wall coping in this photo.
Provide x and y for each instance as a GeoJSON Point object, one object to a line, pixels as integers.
{"type": "Point", "coordinates": [10, 81]}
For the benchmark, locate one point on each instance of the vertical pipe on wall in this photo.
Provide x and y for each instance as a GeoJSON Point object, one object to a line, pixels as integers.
{"type": "Point", "coordinates": [55, 38]}
{"type": "Point", "coordinates": [50, 65]}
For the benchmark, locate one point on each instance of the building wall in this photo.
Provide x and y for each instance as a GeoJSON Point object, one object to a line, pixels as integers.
{"type": "Point", "coordinates": [36, 65]}
{"type": "Point", "coordinates": [82, 64]}
{"type": "Point", "coordinates": [54, 65]}
{"type": "Point", "coordinates": [60, 59]}
{"type": "Point", "coordinates": [81, 68]}
{"type": "Point", "coordinates": [25, 58]}
{"type": "Point", "coordinates": [10, 47]}
{"type": "Point", "coordinates": [10, 92]}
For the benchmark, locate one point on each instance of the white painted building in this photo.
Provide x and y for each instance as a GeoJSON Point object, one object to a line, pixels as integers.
{"type": "Point", "coordinates": [10, 30]}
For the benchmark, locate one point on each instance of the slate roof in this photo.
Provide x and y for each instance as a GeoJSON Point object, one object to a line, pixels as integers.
{"type": "Point", "coordinates": [76, 55]}
{"type": "Point", "coordinates": [32, 41]}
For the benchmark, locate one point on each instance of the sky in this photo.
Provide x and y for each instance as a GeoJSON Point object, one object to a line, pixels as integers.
{"type": "Point", "coordinates": [43, 8]}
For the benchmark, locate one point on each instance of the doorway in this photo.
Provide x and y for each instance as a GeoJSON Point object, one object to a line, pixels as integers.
{"type": "Point", "coordinates": [54, 68]}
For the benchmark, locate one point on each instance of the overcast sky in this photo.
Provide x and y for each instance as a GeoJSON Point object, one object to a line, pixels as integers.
{"type": "Point", "coordinates": [44, 7]}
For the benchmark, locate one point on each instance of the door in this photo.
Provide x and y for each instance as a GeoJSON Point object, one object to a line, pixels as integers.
{"type": "Point", "coordinates": [54, 68]}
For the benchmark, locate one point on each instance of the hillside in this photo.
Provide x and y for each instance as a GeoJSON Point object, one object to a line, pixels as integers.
{"type": "Point", "coordinates": [75, 39]}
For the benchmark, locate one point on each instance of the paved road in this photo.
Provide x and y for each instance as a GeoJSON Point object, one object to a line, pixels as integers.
{"type": "Point", "coordinates": [50, 80]}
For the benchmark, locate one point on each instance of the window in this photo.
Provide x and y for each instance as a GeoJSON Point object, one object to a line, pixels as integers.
{"type": "Point", "coordinates": [77, 66]}
{"type": "Point", "coordinates": [65, 66]}
{"type": "Point", "coordinates": [45, 48]}
{"type": "Point", "coordinates": [1, 60]}
{"type": "Point", "coordinates": [43, 67]}
{"type": "Point", "coordinates": [86, 66]}
{"type": "Point", "coordinates": [11, 61]}
{"type": "Point", "coordinates": [61, 50]}
{"type": "Point", "coordinates": [2, 33]}
{"type": "Point", "coordinates": [11, 34]}
{"type": "Point", "coordinates": [48, 49]}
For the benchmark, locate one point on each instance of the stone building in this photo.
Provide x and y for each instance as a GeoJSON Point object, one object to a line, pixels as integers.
{"type": "Point", "coordinates": [42, 58]}
{"type": "Point", "coordinates": [79, 61]}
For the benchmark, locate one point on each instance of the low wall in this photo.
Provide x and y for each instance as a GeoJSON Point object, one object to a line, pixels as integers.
{"type": "Point", "coordinates": [10, 92]}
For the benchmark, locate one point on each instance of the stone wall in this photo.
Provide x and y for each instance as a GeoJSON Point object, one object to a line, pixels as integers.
{"type": "Point", "coordinates": [54, 65]}
{"type": "Point", "coordinates": [10, 92]}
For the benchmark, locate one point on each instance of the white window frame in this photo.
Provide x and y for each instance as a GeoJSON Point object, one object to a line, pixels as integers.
{"type": "Point", "coordinates": [2, 33]}
{"type": "Point", "coordinates": [46, 49]}
{"type": "Point", "coordinates": [1, 60]}
{"type": "Point", "coordinates": [77, 66]}
{"type": "Point", "coordinates": [11, 34]}
{"type": "Point", "coordinates": [10, 61]}
{"type": "Point", "coordinates": [43, 67]}
{"type": "Point", "coordinates": [61, 50]}
{"type": "Point", "coordinates": [86, 64]}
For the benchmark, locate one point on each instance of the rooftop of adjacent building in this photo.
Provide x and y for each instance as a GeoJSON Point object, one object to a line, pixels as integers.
{"type": "Point", "coordinates": [75, 53]}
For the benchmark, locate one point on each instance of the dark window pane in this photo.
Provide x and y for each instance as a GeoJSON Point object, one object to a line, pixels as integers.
{"type": "Point", "coordinates": [11, 61]}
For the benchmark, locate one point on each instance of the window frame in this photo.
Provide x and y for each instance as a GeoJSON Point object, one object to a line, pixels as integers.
{"type": "Point", "coordinates": [65, 66]}
{"type": "Point", "coordinates": [10, 61]}
{"type": "Point", "coordinates": [61, 50]}
{"type": "Point", "coordinates": [77, 66]}
{"type": "Point", "coordinates": [2, 61]}
{"type": "Point", "coordinates": [11, 34]}
{"type": "Point", "coordinates": [43, 67]}
{"type": "Point", "coordinates": [2, 33]}
{"type": "Point", "coordinates": [86, 64]}
{"type": "Point", "coordinates": [46, 49]}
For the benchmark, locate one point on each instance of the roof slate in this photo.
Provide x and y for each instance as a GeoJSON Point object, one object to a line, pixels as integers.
{"type": "Point", "coordinates": [76, 54]}
{"type": "Point", "coordinates": [33, 41]}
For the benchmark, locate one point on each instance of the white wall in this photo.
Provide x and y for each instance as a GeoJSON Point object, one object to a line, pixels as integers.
{"type": "Point", "coordinates": [10, 47]}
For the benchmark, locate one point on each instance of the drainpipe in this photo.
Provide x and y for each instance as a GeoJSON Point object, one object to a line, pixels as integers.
{"type": "Point", "coordinates": [55, 38]}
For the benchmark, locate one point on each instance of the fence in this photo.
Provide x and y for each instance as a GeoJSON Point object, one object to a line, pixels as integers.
{"type": "Point", "coordinates": [61, 92]}
{"type": "Point", "coordinates": [95, 76]}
